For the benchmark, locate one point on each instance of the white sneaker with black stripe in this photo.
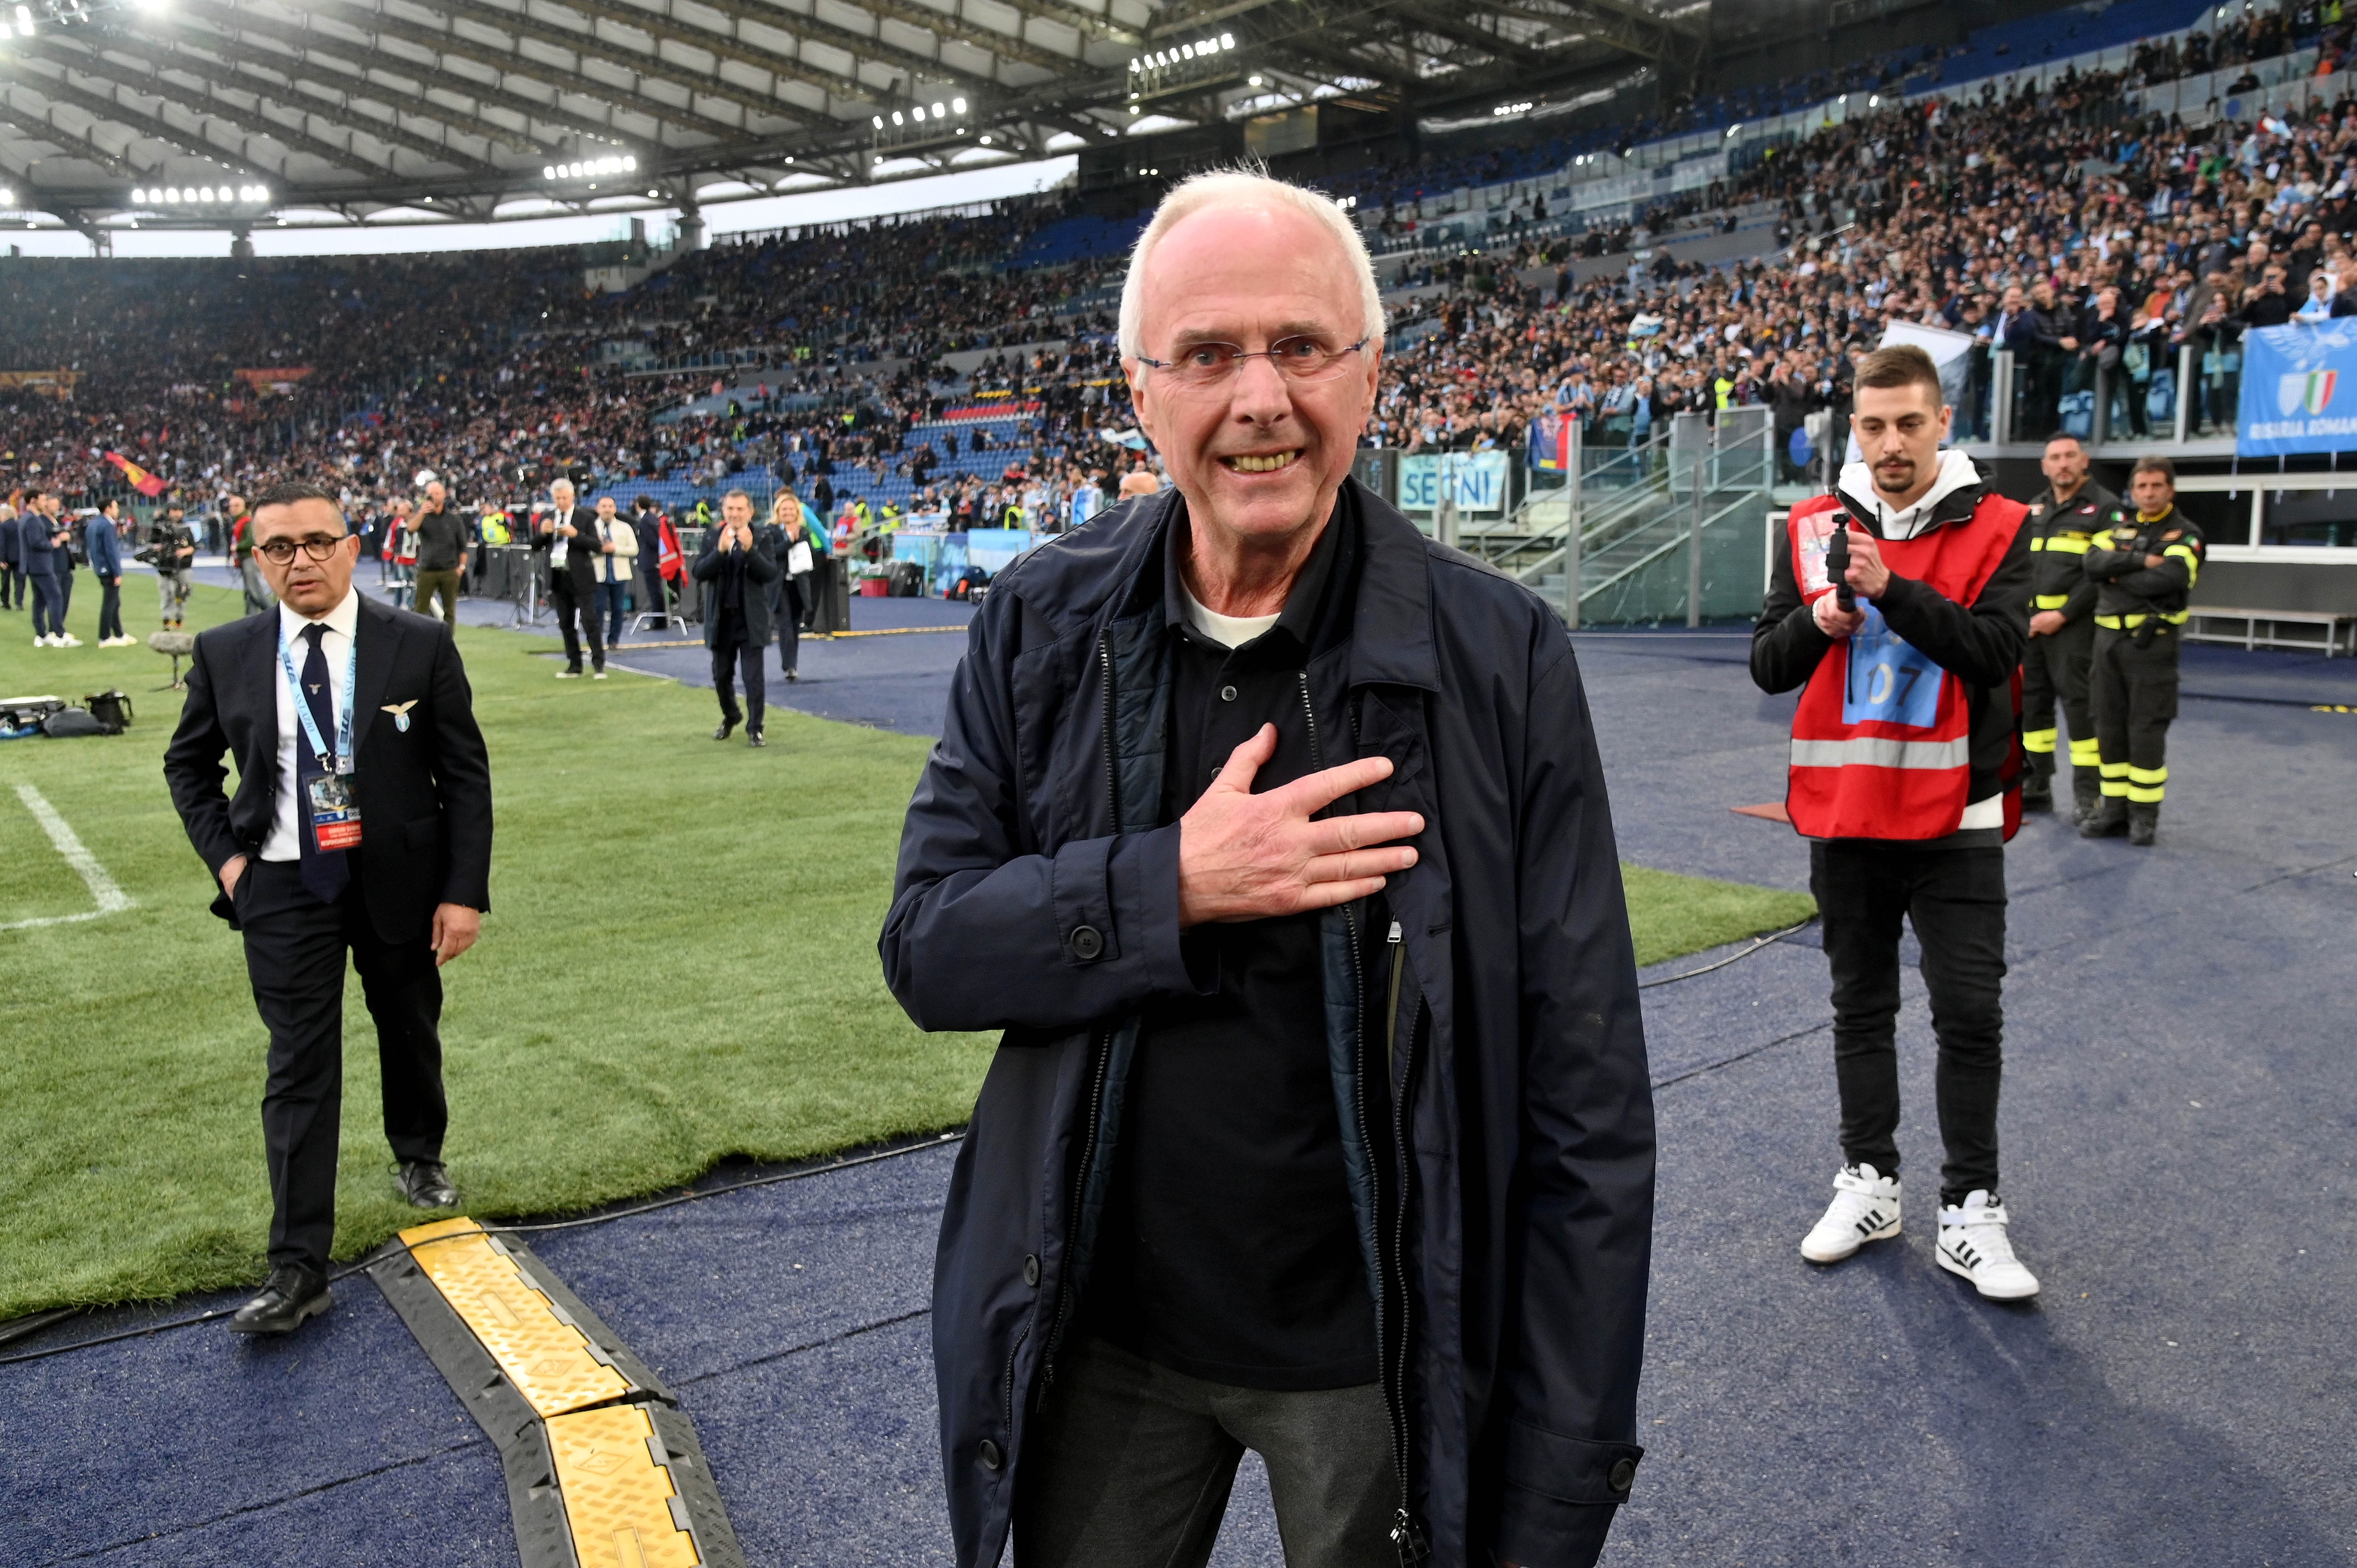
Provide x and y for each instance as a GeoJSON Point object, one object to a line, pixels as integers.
{"type": "Point", "coordinates": [1973, 1243]}
{"type": "Point", "coordinates": [1864, 1209]}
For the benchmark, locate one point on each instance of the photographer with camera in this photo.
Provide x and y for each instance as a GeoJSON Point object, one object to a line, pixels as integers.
{"type": "Point", "coordinates": [2143, 568]}
{"type": "Point", "coordinates": [172, 550]}
{"type": "Point", "coordinates": [1901, 603]}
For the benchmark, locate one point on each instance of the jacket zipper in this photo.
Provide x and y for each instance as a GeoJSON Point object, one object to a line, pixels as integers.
{"type": "Point", "coordinates": [1407, 1539]}
{"type": "Point", "coordinates": [1112, 760]}
{"type": "Point", "coordinates": [1408, 1536]}
{"type": "Point", "coordinates": [1104, 1048]}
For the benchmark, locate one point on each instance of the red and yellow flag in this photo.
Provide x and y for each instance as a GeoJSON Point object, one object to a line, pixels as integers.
{"type": "Point", "coordinates": [145, 483]}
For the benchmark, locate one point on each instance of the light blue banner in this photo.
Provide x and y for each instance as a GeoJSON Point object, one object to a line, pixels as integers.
{"type": "Point", "coordinates": [1477, 480]}
{"type": "Point", "coordinates": [2299, 390]}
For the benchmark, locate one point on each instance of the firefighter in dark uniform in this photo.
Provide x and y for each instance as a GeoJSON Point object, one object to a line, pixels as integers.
{"type": "Point", "coordinates": [2143, 568]}
{"type": "Point", "coordinates": [2063, 521]}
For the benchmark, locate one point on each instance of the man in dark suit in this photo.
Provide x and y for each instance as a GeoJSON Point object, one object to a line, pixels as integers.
{"type": "Point", "coordinates": [570, 536]}
{"type": "Point", "coordinates": [737, 569]}
{"type": "Point", "coordinates": [362, 823]}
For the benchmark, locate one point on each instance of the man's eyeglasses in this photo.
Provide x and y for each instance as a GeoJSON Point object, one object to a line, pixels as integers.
{"type": "Point", "coordinates": [317, 546]}
{"type": "Point", "coordinates": [1205, 365]}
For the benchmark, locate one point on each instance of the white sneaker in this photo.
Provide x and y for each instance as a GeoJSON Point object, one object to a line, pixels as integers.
{"type": "Point", "coordinates": [1864, 1209]}
{"type": "Point", "coordinates": [66, 640]}
{"type": "Point", "coordinates": [1973, 1243]}
{"type": "Point", "coordinates": [41, 642]}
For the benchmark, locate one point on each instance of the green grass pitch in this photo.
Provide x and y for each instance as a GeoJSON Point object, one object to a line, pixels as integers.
{"type": "Point", "coordinates": [680, 966]}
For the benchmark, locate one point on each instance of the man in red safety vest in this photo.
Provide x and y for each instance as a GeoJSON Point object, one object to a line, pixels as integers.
{"type": "Point", "coordinates": [1900, 604]}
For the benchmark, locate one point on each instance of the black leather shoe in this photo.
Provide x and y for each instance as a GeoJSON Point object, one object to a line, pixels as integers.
{"type": "Point", "coordinates": [426, 1185]}
{"type": "Point", "coordinates": [727, 728]}
{"type": "Point", "coordinates": [294, 1293]}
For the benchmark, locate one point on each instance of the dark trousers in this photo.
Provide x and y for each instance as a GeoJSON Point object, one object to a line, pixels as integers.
{"type": "Point", "coordinates": [294, 947]}
{"type": "Point", "coordinates": [566, 601]}
{"type": "Point", "coordinates": [728, 660]}
{"type": "Point", "coordinates": [795, 597]}
{"type": "Point", "coordinates": [441, 584]}
{"type": "Point", "coordinates": [652, 597]}
{"type": "Point", "coordinates": [1129, 1464]}
{"type": "Point", "coordinates": [49, 606]}
{"type": "Point", "coordinates": [613, 601]}
{"type": "Point", "coordinates": [1956, 900]}
{"type": "Point", "coordinates": [12, 587]}
{"type": "Point", "coordinates": [2055, 668]}
{"type": "Point", "coordinates": [110, 607]}
{"type": "Point", "coordinates": [2134, 694]}
{"type": "Point", "coordinates": [65, 594]}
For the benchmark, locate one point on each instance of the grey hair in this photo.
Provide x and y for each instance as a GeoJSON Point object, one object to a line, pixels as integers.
{"type": "Point", "coordinates": [1245, 188]}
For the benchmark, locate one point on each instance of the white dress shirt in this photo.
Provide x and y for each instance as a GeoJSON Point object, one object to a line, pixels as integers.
{"type": "Point", "coordinates": [284, 842]}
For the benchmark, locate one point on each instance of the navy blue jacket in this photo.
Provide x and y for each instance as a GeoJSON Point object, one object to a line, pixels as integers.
{"type": "Point", "coordinates": [34, 548]}
{"type": "Point", "coordinates": [101, 544]}
{"type": "Point", "coordinates": [1036, 894]}
{"type": "Point", "coordinates": [8, 549]}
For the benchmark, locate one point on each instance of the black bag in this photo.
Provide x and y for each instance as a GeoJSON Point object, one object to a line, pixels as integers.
{"type": "Point", "coordinates": [109, 708]}
{"type": "Point", "coordinates": [70, 721]}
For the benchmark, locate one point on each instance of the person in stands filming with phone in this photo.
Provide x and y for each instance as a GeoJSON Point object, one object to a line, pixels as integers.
{"type": "Point", "coordinates": [1900, 604]}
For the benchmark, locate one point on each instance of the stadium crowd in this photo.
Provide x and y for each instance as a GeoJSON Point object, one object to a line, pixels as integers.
{"type": "Point", "coordinates": [2056, 224]}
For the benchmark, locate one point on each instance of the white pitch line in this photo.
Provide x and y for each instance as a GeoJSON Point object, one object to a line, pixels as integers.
{"type": "Point", "coordinates": [111, 898]}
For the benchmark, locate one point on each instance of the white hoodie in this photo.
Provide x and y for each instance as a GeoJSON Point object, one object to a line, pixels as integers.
{"type": "Point", "coordinates": [1957, 472]}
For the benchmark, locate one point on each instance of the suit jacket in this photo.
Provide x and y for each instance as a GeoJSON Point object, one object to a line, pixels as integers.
{"type": "Point", "coordinates": [580, 551]}
{"type": "Point", "coordinates": [761, 569]}
{"type": "Point", "coordinates": [424, 792]}
{"type": "Point", "coordinates": [36, 551]}
{"type": "Point", "coordinates": [8, 536]}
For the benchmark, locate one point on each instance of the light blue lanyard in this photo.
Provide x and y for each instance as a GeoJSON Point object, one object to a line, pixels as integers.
{"type": "Point", "coordinates": [342, 760]}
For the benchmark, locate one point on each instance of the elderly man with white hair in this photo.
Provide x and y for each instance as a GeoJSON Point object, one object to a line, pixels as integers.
{"type": "Point", "coordinates": [1274, 836]}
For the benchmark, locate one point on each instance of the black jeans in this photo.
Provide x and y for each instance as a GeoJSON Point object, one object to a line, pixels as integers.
{"type": "Point", "coordinates": [728, 659]}
{"type": "Point", "coordinates": [110, 606]}
{"type": "Point", "coordinates": [1956, 899]}
{"type": "Point", "coordinates": [294, 948]}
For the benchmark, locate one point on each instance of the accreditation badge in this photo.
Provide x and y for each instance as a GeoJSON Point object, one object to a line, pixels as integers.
{"type": "Point", "coordinates": [335, 811]}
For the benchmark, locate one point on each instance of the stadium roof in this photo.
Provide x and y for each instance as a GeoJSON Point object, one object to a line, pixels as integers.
{"type": "Point", "coordinates": [234, 114]}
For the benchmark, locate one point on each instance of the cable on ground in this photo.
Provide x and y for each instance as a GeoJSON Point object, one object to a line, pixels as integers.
{"type": "Point", "coordinates": [1732, 958]}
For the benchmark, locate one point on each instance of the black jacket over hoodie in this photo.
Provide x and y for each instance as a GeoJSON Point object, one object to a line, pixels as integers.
{"type": "Point", "coordinates": [1979, 644]}
{"type": "Point", "coordinates": [1506, 1215]}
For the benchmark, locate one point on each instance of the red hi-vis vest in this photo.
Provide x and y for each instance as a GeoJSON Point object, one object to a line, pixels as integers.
{"type": "Point", "coordinates": [1882, 741]}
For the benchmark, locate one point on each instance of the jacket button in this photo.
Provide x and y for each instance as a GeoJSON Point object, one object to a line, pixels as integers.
{"type": "Point", "coordinates": [1622, 1475]}
{"type": "Point", "coordinates": [1031, 1269]}
{"type": "Point", "coordinates": [1227, 693]}
{"type": "Point", "coordinates": [991, 1458]}
{"type": "Point", "coordinates": [1087, 942]}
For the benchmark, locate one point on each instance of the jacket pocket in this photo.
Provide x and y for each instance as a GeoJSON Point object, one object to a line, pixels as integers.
{"type": "Point", "coordinates": [426, 832]}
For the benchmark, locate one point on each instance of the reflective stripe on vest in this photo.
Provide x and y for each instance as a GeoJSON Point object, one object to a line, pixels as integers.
{"type": "Point", "coordinates": [1881, 751]}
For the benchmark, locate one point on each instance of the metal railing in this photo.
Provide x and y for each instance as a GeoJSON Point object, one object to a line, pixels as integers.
{"type": "Point", "coordinates": [1607, 546]}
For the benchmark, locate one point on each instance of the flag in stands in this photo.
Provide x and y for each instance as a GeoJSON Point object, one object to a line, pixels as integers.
{"type": "Point", "coordinates": [1551, 442]}
{"type": "Point", "coordinates": [145, 483]}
